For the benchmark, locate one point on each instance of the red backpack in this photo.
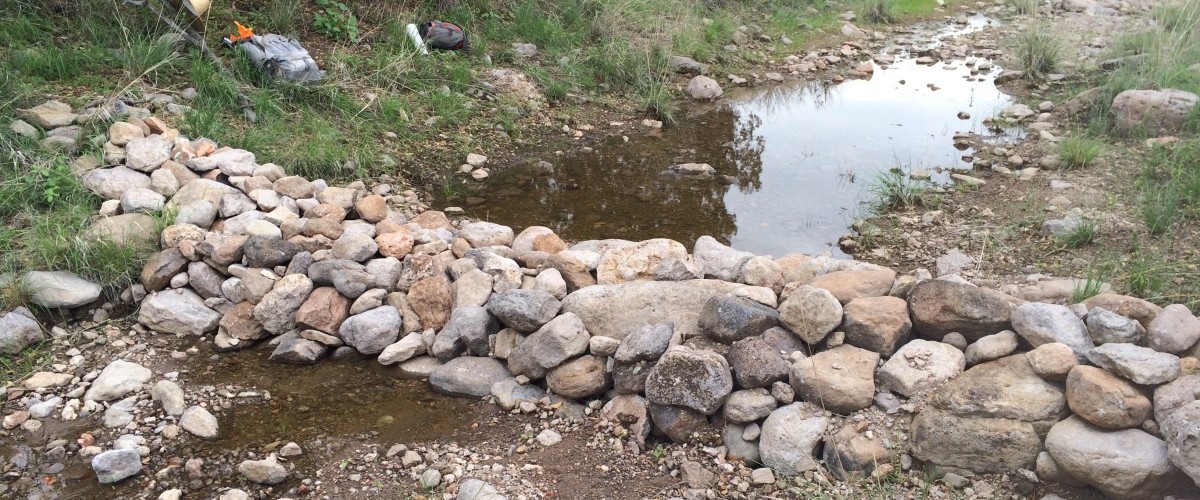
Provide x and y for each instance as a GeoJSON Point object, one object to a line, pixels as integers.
{"type": "Point", "coordinates": [443, 35]}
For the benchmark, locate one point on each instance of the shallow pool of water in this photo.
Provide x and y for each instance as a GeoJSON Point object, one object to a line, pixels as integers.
{"type": "Point", "coordinates": [796, 160]}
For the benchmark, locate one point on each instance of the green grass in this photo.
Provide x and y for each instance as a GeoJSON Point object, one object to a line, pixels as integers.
{"type": "Point", "coordinates": [23, 364]}
{"type": "Point", "coordinates": [1082, 235]}
{"type": "Point", "coordinates": [879, 11]}
{"type": "Point", "coordinates": [895, 191]}
{"type": "Point", "coordinates": [1170, 185]}
{"type": "Point", "coordinates": [1025, 7]}
{"type": "Point", "coordinates": [1039, 52]}
{"type": "Point", "coordinates": [1078, 152]}
{"type": "Point", "coordinates": [1093, 284]}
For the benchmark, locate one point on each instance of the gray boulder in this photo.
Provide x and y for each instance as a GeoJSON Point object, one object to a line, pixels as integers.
{"type": "Point", "coordinates": [790, 436]}
{"type": "Point", "coordinates": [921, 365]}
{"type": "Point", "coordinates": [524, 310]}
{"type": "Point", "coordinates": [372, 331]}
{"type": "Point", "coordinates": [1039, 323]}
{"type": "Point", "coordinates": [939, 307]}
{"type": "Point", "coordinates": [468, 376]}
{"type": "Point", "coordinates": [562, 338]}
{"type": "Point", "coordinates": [1142, 365]}
{"type": "Point", "coordinates": [178, 312]}
{"type": "Point", "coordinates": [755, 363]}
{"type": "Point", "coordinates": [18, 330]}
{"type": "Point", "coordinates": [114, 465]}
{"type": "Point", "coordinates": [749, 405]}
{"type": "Point", "coordinates": [811, 313]}
{"type": "Point", "coordinates": [200, 423]}
{"type": "Point", "coordinates": [117, 380]}
{"type": "Point", "coordinates": [617, 310]}
{"type": "Point", "coordinates": [728, 319]}
{"type": "Point", "coordinates": [1107, 327]}
{"type": "Point", "coordinates": [59, 289]}
{"type": "Point", "coordinates": [111, 183]}
{"type": "Point", "coordinates": [468, 329]}
{"type": "Point", "coordinates": [715, 260]}
{"type": "Point", "coordinates": [299, 351]}
{"type": "Point", "coordinates": [266, 471]}
{"type": "Point", "coordinates": [646, 344]}
{"type": "Point", "coordinates": [694, 379]}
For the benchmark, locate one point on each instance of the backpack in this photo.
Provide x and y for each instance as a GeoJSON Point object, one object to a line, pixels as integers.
{"type": "Point", "coordinates": [443, 35]}
{"type": "Point", "coordinates": [282, 58]}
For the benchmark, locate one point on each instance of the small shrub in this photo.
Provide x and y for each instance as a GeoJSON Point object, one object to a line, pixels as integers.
{"type": "Point", "coordinates": [879, 11]}
{"type": "Point", "coordinates": [896, 191]}
{"type": "Point", "coordinates": [336, 21]}
{"type": "Point", "coordinates": [1039, 52]}
{"type": "Point", "coordinates": [1083, 235]}
{"type": "Point", "coordinates": [1079, 152]}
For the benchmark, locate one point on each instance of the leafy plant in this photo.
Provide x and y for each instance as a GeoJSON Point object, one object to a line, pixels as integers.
{"type": "Point", "coordinates": [336, 21]}
{"type": "Point", "coordinates": [659, 452]}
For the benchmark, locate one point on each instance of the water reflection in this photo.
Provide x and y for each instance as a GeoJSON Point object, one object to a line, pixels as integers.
{"type": "Point", "coordinates": [792, 163]}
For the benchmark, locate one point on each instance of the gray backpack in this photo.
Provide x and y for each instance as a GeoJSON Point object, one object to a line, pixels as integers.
{"type": "Point", "coordinates": [282, 58]}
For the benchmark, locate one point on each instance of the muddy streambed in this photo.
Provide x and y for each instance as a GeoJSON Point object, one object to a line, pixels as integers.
{"type": "Point", "coordinates": [316, 406]}
{"type": "Point", "coordinates": [793, 162]}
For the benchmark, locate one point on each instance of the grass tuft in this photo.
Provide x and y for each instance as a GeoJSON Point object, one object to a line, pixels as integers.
{"type": "Point", "coordinates": [1079, 152]}
{"type": "Point", "coordinates": [1039, 52]}
{"type": "Point", "coordinates": [879, 11]}
{"type": "Point", "coordinates": [1024, 7]}
{"type": "Point", "coordinates": [1082, 235]}
{"type": "Point", "coordinates": [895, 191]}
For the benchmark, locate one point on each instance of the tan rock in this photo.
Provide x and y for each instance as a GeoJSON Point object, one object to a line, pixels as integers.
{"type": "Point", "coordinates": [432, 219]}
{"type": "Point", "coordinates": [432, 299]}
{"type": "Point", "coordinates": [395, 244]}
{"type": "Point", "coordinates": [1104, 400]}
{"type": "Point", "coordinates": [637, 262]}
{"type": "Point", "coordinates": [549, 243]}
{"type": "Point", "coordinates": [879, 324]}
{"type": "Point", "coordinates": [841, 380]}
{"type": "Point", "coordinates": [850, 285]}
{"type": "Point", "coordinates": [573, 272]}
{"type": "Point", "coordinates": [1130, 307]}
{"type": "Point", "coordinates": [1052, 361]}
{"type": "Point", "coordinates": [240, 324]}
{"type": "Point", "coordinates": [324, 310]}
{"type": "Point", "coordinates": [372, 208]}
{"type": "Point", "coordinates": [580, 378]}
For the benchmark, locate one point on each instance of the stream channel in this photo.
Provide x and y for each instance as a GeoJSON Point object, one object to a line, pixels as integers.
{"type": "Point", "coordinates": [794, 162]}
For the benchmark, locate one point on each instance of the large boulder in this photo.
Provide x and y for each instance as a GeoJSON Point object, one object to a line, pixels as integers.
{"type": "Point", "coordinates": [1039, 323]}
{"type": "Point", "coordinates": [562, 338]}
{"type": "Point", "coordinates": [678, 423]}
{"type": "Point", "coordinates": [178, 312]}
{"type": "Point", "coordinates": [939, 307]}
{"type": "Point", "coordinates": [790, 436]}
{"type": "Point", "coordinates": [983, 445]}
{"type": "Point", "coordinates": [841, 380]}
{"type": "Point", "coordinates": [703, 88]}
{"type": "Point", "coordinates": [468, 376]}
{"type": "Point", "coordinates": [1104, 400]}
{"type": "Point", "coordinates": [618, 310]}
{"type": "Point", "coordinates": [132, 230]}
{"type": "Point", "coordinates": [1153, 112]}
{"type": "Point", "coordinates": [524, 310]}
{"type": "Point", "coordinates": [811, 313]}
{"type": "Point", "coordinates": [114, 465]}
{"type": "Point", "coordinates": [372, 331]}
{"type": "Point", "coordinates": [638, 261]}
{"type": "Point", "coordinates": [921, 365]}
{"type": "Point", "coordinates": [59, 289]}
{"type": "Point", "coordinates": [691, 378]}
{"type": "Point", "coordinates": [879, 324]}
{"type": "Point", "coordinates": [161, 267]}
{"type": "Point", "coordinates": [646, 344]}
{"type": "Point", "coordinates": [1126, 464]}
{"type": "Point", "coordinates": [728, 319]}
{"type": "Point", "coordinates": [718, 261]}
{"type": "Point", "coordinates": [486, 234]}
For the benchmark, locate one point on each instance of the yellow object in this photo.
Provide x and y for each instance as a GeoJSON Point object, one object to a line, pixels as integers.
{"type": "Point", "coordinates": [196, 7]}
